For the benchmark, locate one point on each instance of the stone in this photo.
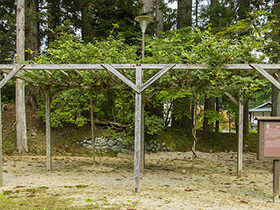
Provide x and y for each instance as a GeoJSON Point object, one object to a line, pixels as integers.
{"type": "Point", "coordinates": [111, 143]}
{"type": "Point", "coordinates": [116, 148]}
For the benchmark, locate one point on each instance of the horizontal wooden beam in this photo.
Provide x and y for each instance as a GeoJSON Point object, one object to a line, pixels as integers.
{"type": "Point", "coordinates": [133, 66]}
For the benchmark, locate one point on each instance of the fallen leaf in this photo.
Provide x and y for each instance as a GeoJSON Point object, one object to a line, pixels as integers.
{"type": "Point", "coordinates": [19, 187]}
{"type": "Point", "coordinates": [30, 196]}
{"type": "Point", "coordinates": [222, 191]}
{"type": "Point", "coordinates": [177, 178]}
{"type": "Point", "coordinates": [190, 190]}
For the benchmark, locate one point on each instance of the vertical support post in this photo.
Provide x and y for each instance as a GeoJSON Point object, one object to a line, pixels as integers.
{"type": "Point", "coordinates": [240, 137]}
{"type": "Point", "coordinates": [142, 163]}
{"type": "Point", "coordinates": [138, 130]}
{"type": "Point", "coordinates": [276, 181]}
{"type": "Point", "coordinates": [276, 162]}
{"type": "Point", "coordinates": [20, 88]}
{"type": "Point", "coordinates": [143, 45]}
{"type": "Point", "coordinates": [48, 129]}
{"type": "Point", "coordinates": [1, 158]}
{"type": "Point", "coordinates": [92, 127]}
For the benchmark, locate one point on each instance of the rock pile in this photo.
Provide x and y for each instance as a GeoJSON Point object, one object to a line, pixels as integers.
{"type": "Point", "coordinates": [121, 145]}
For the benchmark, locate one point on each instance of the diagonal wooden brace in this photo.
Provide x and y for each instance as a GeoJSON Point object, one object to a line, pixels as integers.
{"type": "Point", "coordinates": [10, 75]}
{"type": "Point", "coordinates": [156, 77]}
{"type": "Point", "coordinates": [266, 75]}
{"type": "Point", "coordinates": [120, 76]}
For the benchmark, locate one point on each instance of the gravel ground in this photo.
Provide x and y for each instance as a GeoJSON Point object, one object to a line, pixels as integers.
{"type": "Point", "coordinates": [168, 181]}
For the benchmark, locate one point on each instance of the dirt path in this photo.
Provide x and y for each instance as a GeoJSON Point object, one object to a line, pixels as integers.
{"type": "Point", "coordinates": [168, 182]}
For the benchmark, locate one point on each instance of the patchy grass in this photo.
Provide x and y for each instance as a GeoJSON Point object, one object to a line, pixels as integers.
{"type": "Point", "coordinates": [35, 198]}
{"type": "Point", "coordinates": [207, 141]}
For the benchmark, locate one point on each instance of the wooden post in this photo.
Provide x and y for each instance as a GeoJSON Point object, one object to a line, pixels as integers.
{"type": "Point", "coordinates": [276, 162]}
{"type": "Point", "coordinates": [240, 137]}
{"type": "Point", "coordinates": [48, 130]}
{"type": "Point", "coordinates": [20, 89]}
{"type": "Point", "coordinates": [1, 158]}
{"type": "Point", "coordinates": [142, 163]}
{"type": "Point", "coordinates": [92, 127]}
{"type": "Point", "coordinates": [138, 130]}
{"type": "Point", "coordinates": [276, 181]}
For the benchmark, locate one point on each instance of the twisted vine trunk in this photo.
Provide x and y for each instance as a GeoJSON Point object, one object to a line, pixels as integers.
{"type": "Point", "coordinates": [195, 139]}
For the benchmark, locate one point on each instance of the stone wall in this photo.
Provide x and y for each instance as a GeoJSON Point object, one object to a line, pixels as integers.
{"type": "Point", "coordinates": [121, 145]}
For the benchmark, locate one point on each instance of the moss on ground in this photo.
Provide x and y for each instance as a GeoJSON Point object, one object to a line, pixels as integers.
{"type": "Point", "coordinates": [178, 140]}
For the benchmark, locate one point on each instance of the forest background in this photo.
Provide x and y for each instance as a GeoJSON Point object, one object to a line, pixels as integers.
{"type": "Point", "coordinates": [212, 32]}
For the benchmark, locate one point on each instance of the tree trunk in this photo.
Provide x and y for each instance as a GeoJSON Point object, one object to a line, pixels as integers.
{"type": "Point", "coordinates": [87, 29]}
{"type": "Point", "coordinates": [246, 117]}
{"type": "Point", "coordinates": [53, 17]}
{"type": "Point", "coordinates": [159, 18]}
{"type": "Point", "coordinates": [147, 7]}
{"type": "Point", "coordinates": [32, 28]}
{"type": "Point", "coordinates": [243, 9]}
{"type": "Point", "coordinates": [214, 14]}
{"type": "Point", "coordinates": [108, 106]}
{"type": "Point", "coordinates": [184, 16]}
{"type": "Point", "coordinates": [275, 36]}
{"type": "Point", "coordinates": [208, 106]}
{"type": "Point", "coordinates": [182, 107]}
{"type": "Point", "coordinates": [217, 126]}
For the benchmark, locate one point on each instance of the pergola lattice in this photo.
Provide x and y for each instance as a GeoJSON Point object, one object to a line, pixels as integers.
{"type": "Point", "coordinates": [128, 77]}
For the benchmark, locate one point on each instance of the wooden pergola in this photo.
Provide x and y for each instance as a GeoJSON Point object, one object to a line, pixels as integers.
{"type": "Point", "coordinates": [127, 77]}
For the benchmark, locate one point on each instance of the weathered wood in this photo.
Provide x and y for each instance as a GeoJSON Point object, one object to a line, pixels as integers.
{"type": "Point", "coordinates": [10, 75]}
{"type": "Point", "coordinates": [121, 77]}
{"type": "Point", "coordinates": [48, 72]}
{"type": "Point", "coordinates": [65, 74]}
{"type": "Point", "coordinates": [21, 130]}
{"type": "Point", "coordinates": [240, 137]}
{"type": "Point", "coordinates": [79, 73]}
{"type": "Point", "coordinates": [48, 130]}
{"type": "Point", "coordinates": [276, 181]}
{"type": "Point", "coordinates": [20, 88]}
{"type": "Point", "coordinates": [92, 127]}
{"type": "Point", "coordinates": [266, 75]}
{"type": "Point", "coordinates": [138, 125]}
{"type": "Point", "coordinates": [89, 67]}
{"type": "Point", "coordinates": [156, 77]}
{"type": "Point", "coordinates": [1, 157]}
{"type": "Point", "coordinates": [231, 98]}
{"type": "Point", "coordinates": [20, 76]}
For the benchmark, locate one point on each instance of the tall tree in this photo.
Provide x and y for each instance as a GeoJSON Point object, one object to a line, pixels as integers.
{"type": "Point", "coordinates": [7, 30]}
{"type": "Point", "coordinates": [184, 16]}
{"type": "Point", "coordinates": [159, 17]}
{"type": "Point", "coordinates": [243, 9]}
{"type": "Point", "coordinates": [32, 28]}
{"type": "Point", "coordinates": [147, 7]}
{"type": "Point", "coordinates": [276, 55]}
{"type": "Point", "coordinates": [179, 118]}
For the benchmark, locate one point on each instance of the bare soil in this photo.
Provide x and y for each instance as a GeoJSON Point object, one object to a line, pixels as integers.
{"type": "Point", "coordinates": [168, 182]}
